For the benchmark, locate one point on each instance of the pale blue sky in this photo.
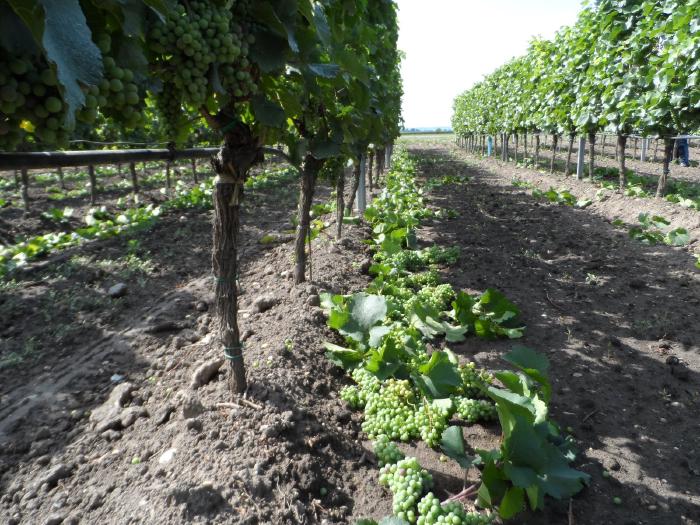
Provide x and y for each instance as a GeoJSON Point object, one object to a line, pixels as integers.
{"type": "Point", "coordinates": [451, 44]}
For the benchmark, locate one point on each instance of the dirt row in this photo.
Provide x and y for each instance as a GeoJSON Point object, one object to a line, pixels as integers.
{"type": "Point", "coordinates": [619, 321]}
{"type": "Point", "coordinates": [112, 425]}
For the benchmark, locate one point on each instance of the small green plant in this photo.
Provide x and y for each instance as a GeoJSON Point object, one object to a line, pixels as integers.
{"type": "Point", "coordinates": [654, 229]}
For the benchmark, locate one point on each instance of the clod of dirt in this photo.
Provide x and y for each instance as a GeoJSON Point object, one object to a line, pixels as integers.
{"type": "Point", "coordinates": [131, 414]}
{"type": "Point", "coordinates": [365, 266]}
{"type": "Point", "coordinates": [107, 416]}
{"type": "Point", "coordinates": [54, 475]}
{"type": "Point", "coordinates": [55, 519]}
{"type": "Point", "coordinates": [313, 300]}
{"type": "Point", "coordinates": [191, 406]}
{"type": "Point", "coordinates": [264, 303]}
{"type": "Point", "coordinates": [205, 372]}
{"type": "Point", "coordinates": [164, 326]}
{"type": "Point", "coordinates": [118, 290]}
{"type": "Point", "coordinates": [163, 415]}
{"type": "Point", "coordinates": [201, 306]}
{"type": "Point", "coordinates": [679, 371]}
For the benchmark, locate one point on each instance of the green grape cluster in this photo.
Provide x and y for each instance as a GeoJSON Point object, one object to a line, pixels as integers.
{"type": "Point", "coordinates": [473, 410]}
{"type": "Point", "coordinates": [432, 420]}
{"type": "Point", "coordinates": [407, 482]}
{"type": "Point", "coordinates": [30, 103]}
{"type": "Point", "coordinates": [32, 106]}
{"type": "Point", "coordinates": [431, 512]}
{"type": "Point", "coordinates": [438, 297]}
{"type": "Point", "coordinates": [474, 380]}
{"type": "Point", "coordinates": [202, 47]}
{"type": "Point", "coordinates": [421, 279]}
{"type": "Point", "coordinates": [117, 94]}
{"type": "Point", "coordinates": [356, 396]}
{"type": "Point", "coordinates": [408, 260]}
{"type": "Point", "coordinates": [439, 255]}
{"type": "Point", "coordinates": [386, 451]}
{"type": "Point", "coordinates": [351, 395]}
{"type": "Point", "coordinates": [391, 411]}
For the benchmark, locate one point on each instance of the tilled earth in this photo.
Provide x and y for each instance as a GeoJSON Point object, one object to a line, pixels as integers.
{"type": "Point", "coordinates": [619, 321]}
{"type": "Point", "coordinates": [111, 425]}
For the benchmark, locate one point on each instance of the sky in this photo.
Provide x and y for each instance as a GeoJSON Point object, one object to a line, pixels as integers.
{"type": "Point", "coordinates": [451, 44]}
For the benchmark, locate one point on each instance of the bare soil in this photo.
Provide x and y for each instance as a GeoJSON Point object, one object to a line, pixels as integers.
{"type": "Point", "coordinates": [104, 425]}
{"type": "Point", "coordinates": [619, 321]}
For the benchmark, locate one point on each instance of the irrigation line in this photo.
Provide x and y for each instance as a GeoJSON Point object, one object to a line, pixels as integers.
{"type": "Point", "coordinates": [64, 159]}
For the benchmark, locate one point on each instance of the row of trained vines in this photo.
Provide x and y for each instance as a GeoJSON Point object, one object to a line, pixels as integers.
{"type": "Point", "coordinates": [317, 80]}
{"type": "Point", "coordinates": [629, 67]}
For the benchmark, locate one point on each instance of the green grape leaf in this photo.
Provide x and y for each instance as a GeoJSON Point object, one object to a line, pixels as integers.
{"type": "Point", "coordinates": [268, 113]}
{"type": "Point", "coordinates": [512, 503]}
{"type": "Point", "coordinates": [345, 358]}
{"type": "Point", "coordinates": [452, 445]}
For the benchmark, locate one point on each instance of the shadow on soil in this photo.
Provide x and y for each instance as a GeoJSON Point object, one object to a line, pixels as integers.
{"type": "Point", "coordinates": [619, 321]}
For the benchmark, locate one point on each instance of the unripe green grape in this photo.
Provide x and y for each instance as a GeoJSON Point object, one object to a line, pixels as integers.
{"type": "Point", "coordinates": [52, 123]}
{"type": "Point", "coordinates": [109, 63]}
{"type": "Point", "coordinates": [132, 98]}
{"type": "Point", "coordinates": [8, 93]}
{"type": "Point", "coordinates": [41, 112]}
{"type": "Point", "coordinates": [19, 67]}
{"type": "Point", "coordinates": [116, 85]}
{"type": "Point", "coordinates": [104, 42]}
{"type": "Point", "coordinates": [53, 104]}
{"type": "Point", "coordinates": [24, 88]}
{"type": "Point", "coordinates": [46, 135]}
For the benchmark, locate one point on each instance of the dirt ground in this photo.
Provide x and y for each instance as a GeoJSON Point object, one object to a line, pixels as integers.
{"type": "Point", "coordinates": [620, 322]}
{"type": "Point", "coordinates": [106, 425]}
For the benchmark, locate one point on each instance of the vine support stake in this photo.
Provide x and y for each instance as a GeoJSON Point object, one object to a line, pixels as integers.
{"type": "Point", "coordinates": [134, 177]}
{"type": "Point", "coordinates": [621, 144]}
{"type": "Point", "coordinates": [580, 157]}
{"type": "Point", "coordinates": [25, 189]}
{"type": "Point", "coordinates": [93, 184]}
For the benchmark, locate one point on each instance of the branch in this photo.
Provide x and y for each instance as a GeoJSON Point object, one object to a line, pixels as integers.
{"type": "Point", "coordinates": [211, 120]}
{"type": "Point", "coordinates": [281, 153]}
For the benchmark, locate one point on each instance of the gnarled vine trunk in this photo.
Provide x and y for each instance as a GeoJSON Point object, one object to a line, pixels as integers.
{"type": "Point", "coordinates": [25, 189]}
{"type": "Point", "coordinates": [370, 165]}
{"type": "Point", "coordinates": [93, 184]}
{"type": "Point", "coordinates": [591, 155]}
{"type": "Point", "coordinates": [524, 148]}
{"type": "Point", "coordinates": [134, 177]}
{"type": "Point", "coordinates": [668, 154]}
{"type": "Point", "coordinates": [537, 151]}
{"type": "Point", "coordinates": [621, 144]}
{"type": "Point", "coordinates": [309, 172]}
{"type": "Point", "coordinates": [567, 170]}
{"type": "Point", "coordinates": [355, 185]}
{"type": "Point", "coordinates": [555, 142]}
{"type": "Point", "coordinates": [60, 178]}
{"type": "Point", "coordinates": [340, 200]}
{"type": "Point", "coordinates": [381, 154]}
{"type": "Point", "coordinates": [231, 164]}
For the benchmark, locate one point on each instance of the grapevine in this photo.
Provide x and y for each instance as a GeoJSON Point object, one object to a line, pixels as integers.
{"type": "Point", "coordinates": [431, 512]}
{"type": "Point", "coordinates": [474, 380]}
{"type": "Point", "coordinates": [407, 482]}
{"type": "Point", "coordinates": [473, 410]}
{"type": "Point", "coordinates": [391, 411]}
{"type": "Point", "coordinates": [386, 451]}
